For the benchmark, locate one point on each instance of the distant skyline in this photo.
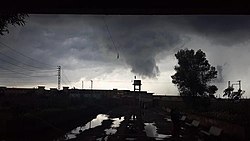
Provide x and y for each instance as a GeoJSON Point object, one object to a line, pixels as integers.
{"type": "Point", "coordinates": [111, 50]}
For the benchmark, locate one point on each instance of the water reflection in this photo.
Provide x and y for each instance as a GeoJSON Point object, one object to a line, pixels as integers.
{"type": "Point", "coordinates": [117, 121]}
{"type": "Point", "coordinates": [92, 124]}
{"type": "Point", "coordinates": [151, 131]}
{"type": "Point", "coordinates": [113, 129]}
{"type": "Point", "coordinates": [115, 124]}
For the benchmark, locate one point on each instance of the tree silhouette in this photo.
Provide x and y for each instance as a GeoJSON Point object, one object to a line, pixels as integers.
{"type": "Point", "coordinates": [11, 18]}
{"type": "Point", "coordinates": [229, 92]}
{"type": "Point", "coordinates": [193, 74]}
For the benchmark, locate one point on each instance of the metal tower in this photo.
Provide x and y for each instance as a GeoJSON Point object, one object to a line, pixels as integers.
{"type": "Point", "coordinates": [59, 77]}
{"type": "Point", "coordinates": [137, 85]}
{"type": "Point", "coordinates": [237, 83]}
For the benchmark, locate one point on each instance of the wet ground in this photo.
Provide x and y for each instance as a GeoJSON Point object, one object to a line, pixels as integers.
{"type": "Point", "coordinates": [124, 123]}
{"type": "Point", "coordinates": [128, 123]}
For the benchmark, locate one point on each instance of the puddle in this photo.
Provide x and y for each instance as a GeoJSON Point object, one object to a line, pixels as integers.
{"type": "Point", "coordinates": [92, 124]}
{"type": "Point", "coordinates": [115, 124]}
{"type": "Point", "coordinates": [117, 121]}
{"type": "Point", "coordinates": [151, 131]}
{"type": "Point", "coordinates": [113, 129]}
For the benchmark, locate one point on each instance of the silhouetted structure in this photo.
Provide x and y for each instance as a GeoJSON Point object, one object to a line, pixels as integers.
{"type": "Point", "coordinates": [91, 81]}
{"type": "Point", "coordinates": [137, 85]}
{"type": "Point", "coordinates": [59, 77]}
{"type": "Point", "coordinates": [236, 95]}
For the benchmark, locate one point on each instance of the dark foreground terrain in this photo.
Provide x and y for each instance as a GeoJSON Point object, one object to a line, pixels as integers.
{"type": "Point", "coordinates": [60, 117]}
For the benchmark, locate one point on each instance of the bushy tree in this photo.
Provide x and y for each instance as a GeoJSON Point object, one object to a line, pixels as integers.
{"type": "Point", "coordinates": [11, 18]}
{"type": "Point", "coordinates": [193, 74]}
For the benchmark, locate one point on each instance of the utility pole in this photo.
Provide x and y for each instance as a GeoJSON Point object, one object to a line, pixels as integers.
{"type": "Point", "coordinates": [91, 84]}
{"type": "Point", "coordinates": [82, 84]}
{"type": "Point", "coordinates": [59, 77]}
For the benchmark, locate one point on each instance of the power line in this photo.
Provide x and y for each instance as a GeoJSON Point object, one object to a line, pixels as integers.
{"type": "Point", "coordinates": [23, 67]}
{"type": "Point", "coordinates": [110, 36]}
{"type": "Point", "coordinates": [24, 55]}
{"type": "Point", "coordinates": [64, 82]}
{"type": "Point", "coordinates": [15, 71]}
{"type": "Point", "coordinates": [24, 73]}
{"type": "Point", "coordinates": [22, 62]}
{"type": "Point", "coordinates": [13, 77]}
{"type": "Point", "coordinates": [5, 71]}
{"type": "Point", "coordinates": [27, 82]}
{"type": "Point", "coordinates": [66, 78]}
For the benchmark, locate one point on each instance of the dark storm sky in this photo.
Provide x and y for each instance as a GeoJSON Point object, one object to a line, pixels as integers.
{"type": "Point", "coordinates": [146, 45]}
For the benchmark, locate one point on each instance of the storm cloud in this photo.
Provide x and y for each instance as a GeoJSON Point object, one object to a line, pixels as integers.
{"type": "Point", "coordinates": [226, 30]}
{"type": "Point", "coordinates": [69, 40]}
{"type": "Point", "coordinates": [140, 40]}
{"type": "Point", "coordinates": [82, 42]}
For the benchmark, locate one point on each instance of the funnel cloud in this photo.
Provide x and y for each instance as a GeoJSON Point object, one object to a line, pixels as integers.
{"type": "Point", "coordinates": [85, 49]}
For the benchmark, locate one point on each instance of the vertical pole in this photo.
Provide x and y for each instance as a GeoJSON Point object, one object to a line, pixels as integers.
{"type": "Point", "coordinates": [239, 84]}
{"type": "Point", "coordinates": [82, 84]}
{"type": "Point", "coordinates": [59, 77]}
{"type": "Point", "coordinates": [91, 84]}
{"type": "Point", "coordinates": [228, 87]}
